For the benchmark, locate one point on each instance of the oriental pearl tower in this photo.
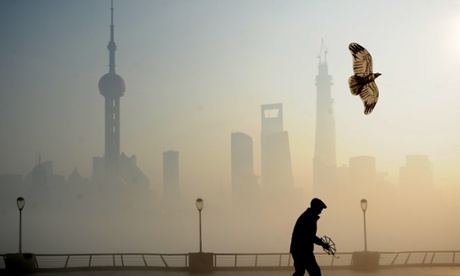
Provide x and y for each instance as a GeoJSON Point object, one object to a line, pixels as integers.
{"type": "Point", "coordinates": [112, 87]}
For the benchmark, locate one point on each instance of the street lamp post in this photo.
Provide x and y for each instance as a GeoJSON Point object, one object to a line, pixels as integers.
{"type": "Point", "coordinates": [20, 202]}
{"type": "Point", "coordinates": [365, 260]}
{"type": "Point", "coordinates": [199, 206]}
{"type": "Point", "coordinates": [364, 207]}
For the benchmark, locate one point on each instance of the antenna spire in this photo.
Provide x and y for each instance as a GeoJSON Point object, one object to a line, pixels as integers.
{"type": "Point", "coordinates": [112, 47]}
{"type": "Point", "coordinates": [111, 21]}
{"type": "Point", "coordinates": [323, 50]}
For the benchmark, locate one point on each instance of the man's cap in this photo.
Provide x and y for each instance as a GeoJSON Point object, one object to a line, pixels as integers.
{"type": "Point", "coordinates": [317, 203]}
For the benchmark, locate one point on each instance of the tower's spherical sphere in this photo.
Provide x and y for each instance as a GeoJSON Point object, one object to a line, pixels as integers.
{"type": "Point", "coordinates": [111, 85]}
{"type": "Point", "coordinates": [112, 46]}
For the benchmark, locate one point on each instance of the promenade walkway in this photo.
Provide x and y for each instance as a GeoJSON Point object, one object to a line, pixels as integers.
{"type": "Point", "coordinates": [414, 271]}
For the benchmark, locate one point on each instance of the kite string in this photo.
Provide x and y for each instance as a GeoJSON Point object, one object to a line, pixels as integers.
{"type": "Point", "coordinates": [407, 91]}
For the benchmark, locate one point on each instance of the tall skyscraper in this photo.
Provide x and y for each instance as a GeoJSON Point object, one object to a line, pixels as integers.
{"type": "Point", "coordinates": [277, 181]}
{"type": "Point", "coordinates": [171, 191]}
{"type": "Point", "coordinates": [324, 160]}
{"type": "Point", "coordinates": [245, 189]}
{"type": "Point", "coordinates": [113, 168]}
{"type": "Point", "coordinates": [112, 87]}
{"type": "Point", "coordinates": [242, 158]}
{"type": "Point", "coordinates": [276, 166]}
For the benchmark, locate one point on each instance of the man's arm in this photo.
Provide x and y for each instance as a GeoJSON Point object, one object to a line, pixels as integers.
{"type": "Point", "coordinates": [319, 242]}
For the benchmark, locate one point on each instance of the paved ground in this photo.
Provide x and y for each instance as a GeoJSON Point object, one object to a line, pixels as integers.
{"type": "Point", "coordinates": [423, 271]}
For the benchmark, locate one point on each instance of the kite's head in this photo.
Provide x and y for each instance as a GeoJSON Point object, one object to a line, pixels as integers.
{"type": "Point", "coordinates": [376, 75]}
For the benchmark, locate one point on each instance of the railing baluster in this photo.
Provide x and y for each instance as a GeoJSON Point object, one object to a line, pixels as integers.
{"type": "Point", "coordinates": [166, 265]}
{"type": "Point", "coordinates": [67, 261]}
{"type": "Point", "coordinates": [407, 259]}
{"type": "Point", "coordinates": [145, 262]}
{"type": "Point", "coordinates": [214, 258]}
{"type": "Point", "coordinates": [36, 262]}
{"type": "Point", "coordinates": [394, 259]}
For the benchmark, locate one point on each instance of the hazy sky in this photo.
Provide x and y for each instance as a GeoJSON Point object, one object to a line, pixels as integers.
{"type": "Point", "coordinates": [195, 71]}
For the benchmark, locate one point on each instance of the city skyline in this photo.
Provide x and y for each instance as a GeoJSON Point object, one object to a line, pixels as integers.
{"type": "Point", "coordinates": [196, 73]}
{"type": "Point", "coordinates": [202, 122]}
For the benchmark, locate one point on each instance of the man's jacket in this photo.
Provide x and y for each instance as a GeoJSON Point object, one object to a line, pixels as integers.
{"type": "Point", "coordinates": [304, 233]}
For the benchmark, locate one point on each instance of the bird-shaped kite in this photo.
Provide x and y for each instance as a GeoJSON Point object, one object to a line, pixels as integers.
{"type": "Point", "coordinates": [362, 82]}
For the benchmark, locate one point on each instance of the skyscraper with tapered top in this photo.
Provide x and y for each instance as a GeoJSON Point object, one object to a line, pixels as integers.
{"type": "Point", "coordinates": [112, 87]}
{"type": "Point", "coordinates": [324, 160]}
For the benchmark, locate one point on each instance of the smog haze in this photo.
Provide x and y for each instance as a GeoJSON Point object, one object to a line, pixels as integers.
{"type": "Point", "coordinates": [198, 71]}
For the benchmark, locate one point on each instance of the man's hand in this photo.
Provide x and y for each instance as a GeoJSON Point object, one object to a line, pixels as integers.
{"type": "Point", "coordinates": [326, 246]}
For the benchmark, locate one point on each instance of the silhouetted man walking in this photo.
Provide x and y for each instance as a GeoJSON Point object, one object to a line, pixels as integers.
{"type": "Point", "coordinates": [303, 240]}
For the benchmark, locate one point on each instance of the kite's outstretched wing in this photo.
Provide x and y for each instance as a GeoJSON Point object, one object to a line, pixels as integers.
{"type": "Point", "coordinates": [369, 95]}
{"type": "Point", "coordinates": [362, 60]}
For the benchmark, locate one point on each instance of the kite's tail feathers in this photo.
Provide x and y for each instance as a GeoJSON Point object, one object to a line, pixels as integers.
{"type": "Point", "coordinates": [355, 84]}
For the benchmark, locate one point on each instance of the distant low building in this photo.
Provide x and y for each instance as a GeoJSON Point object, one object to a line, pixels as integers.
{"type": "Point", "coordinates": [416, 176]}
{"type": "Point", "coordinates": [43, 175]}
{"type": "Point", "coordinates": [363, 171]}
{"type": "Point", "coordinates": [76, 179]}
{"type": "Point", "coordinates": [131, 174]}
{"type": "Point", "coordinates": [11, 179]}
